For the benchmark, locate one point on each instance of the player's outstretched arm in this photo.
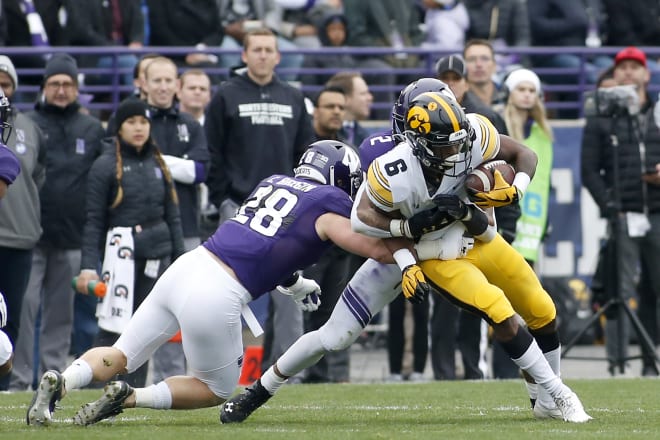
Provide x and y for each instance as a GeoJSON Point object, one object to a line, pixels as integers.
{"type": "Point", "coordinates": [331, 226]}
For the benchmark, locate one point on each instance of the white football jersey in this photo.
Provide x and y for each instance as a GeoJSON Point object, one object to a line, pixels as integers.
{"type": "Point", "coordinates": [395, 180]}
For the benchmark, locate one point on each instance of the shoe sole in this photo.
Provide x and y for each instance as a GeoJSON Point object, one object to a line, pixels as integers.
{"type": "Point", "coordinates": [91, 413]}
{"type": "Point", "coordinates": [547, 413]}
{"type": "Point", "coordinates": [39, 411]}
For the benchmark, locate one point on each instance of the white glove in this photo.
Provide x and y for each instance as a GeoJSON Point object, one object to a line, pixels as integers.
{"type": "Point", "coordinates": [3, 311]}
{"type": "Point", "coordinates": [182, 170]}
{"type": "Point", "coordinates": [304, 292]}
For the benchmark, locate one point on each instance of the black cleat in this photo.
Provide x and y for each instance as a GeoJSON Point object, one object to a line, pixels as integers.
{"type": "Point", "coordinates": [109, 405]}
{"type": "Point", "coordinates": [42, 407]}
{"type": "Point", "coordinates": [239, 407]}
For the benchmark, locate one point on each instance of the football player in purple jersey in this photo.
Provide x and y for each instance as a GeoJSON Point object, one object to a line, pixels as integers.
{"type": "Point", "coordinates": [283, 226]}
{"type": "Point", "coordinates": [373, 285]}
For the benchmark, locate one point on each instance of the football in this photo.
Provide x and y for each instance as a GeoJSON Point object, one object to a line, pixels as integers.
{"type": "Point", "coordinates": [482, 179]}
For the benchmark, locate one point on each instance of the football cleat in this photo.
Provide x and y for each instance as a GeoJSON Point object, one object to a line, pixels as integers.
{"type": "Point", "coordinates": [571, 408]}
{"type": "Point", "coordinates": [109, 405]}
{"type": "Point", "coordinates": [543, 411]}
{"type": "Point", "coordinates": [239, 407]}
{"type": "Point", "coordinates": [42, 407]}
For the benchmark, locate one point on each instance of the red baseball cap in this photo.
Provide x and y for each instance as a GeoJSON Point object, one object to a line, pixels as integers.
{"type": "Point", "coordinates": [630, 53]}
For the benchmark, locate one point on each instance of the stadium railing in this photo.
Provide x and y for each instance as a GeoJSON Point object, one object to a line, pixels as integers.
{"type": "Point", "coordinates": [113, 92]}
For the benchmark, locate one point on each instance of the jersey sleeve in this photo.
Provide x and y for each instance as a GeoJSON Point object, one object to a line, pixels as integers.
{"type": "Point", "coordinates": [379, 190]}
{"type": "Point", "coordinates": [486, 135]}
{"type": "Point", "coordinates": [337, 201]}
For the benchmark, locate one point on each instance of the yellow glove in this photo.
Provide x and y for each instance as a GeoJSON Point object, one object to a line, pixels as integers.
{"type": "Point", "coordinates": [502, 194]}
{"type": "Point", "coordinates": [414, 285]}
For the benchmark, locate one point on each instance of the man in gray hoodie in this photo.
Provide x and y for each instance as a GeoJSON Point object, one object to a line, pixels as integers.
{"type": "Point", "coordinates": [20, 219]}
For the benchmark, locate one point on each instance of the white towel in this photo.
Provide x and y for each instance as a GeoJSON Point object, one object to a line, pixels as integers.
{"type": "Point", "coordinates": [116, 308]}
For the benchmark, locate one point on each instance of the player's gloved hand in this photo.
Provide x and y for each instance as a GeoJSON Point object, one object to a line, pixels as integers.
{"type": "Point", "coordinates": [304, 292]}
{"type": "Point", "coordinates": [414, 285]}
{"type": "Point", "coordinates": [452, 205]}
{"type": "Point", "coordinates": [425, 221]}
{"type": "Point", "coordinates": [502, 194]}
{"type": "Point", "coordinates": [3, 311]}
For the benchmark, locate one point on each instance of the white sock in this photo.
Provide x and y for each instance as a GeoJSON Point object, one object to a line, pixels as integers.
{"type": "Point", "coordinates": [532, 390]}
{"type": "Point", "coordinates": [77, 375]}
{"type": "Point", "coordinates": [271, 381]}
{"type": "Point", "coordinates": [156, 396]}
{"type": "Point", "coordinates": [554, 359]}
{"type": "Point", "coordinates": [536, 365]}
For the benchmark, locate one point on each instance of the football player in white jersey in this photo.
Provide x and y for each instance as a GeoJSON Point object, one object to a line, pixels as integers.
{"type": "Point", "coordinates": [374, 285]}
{"type": "Point", "coordinates": [493, 280]}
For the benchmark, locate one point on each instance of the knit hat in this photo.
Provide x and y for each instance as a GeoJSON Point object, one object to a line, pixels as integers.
{"type": "Point", "coordinates": [61, 63]}
{"type": "Point", "coordinates": [522, 75]}
{"type": "Point", "coordinates": [8, 67]}
{"type": "Point", "coordinates": [131, 107]}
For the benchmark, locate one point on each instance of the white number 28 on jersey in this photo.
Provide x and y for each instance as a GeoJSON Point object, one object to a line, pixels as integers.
{"type": "Point", "coordinates": [268, 208]}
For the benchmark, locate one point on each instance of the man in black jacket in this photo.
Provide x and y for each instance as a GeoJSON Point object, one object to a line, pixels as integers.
{"type": "Point", "coordinates": [256, 126]}
{"type": "Point", "coordinates": [73, 142]}
{"type": "Point", "coordinates": [633, 200]}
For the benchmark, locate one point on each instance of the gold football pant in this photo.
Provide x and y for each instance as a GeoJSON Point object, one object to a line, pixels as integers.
{"type": "Point", "coordinates": [494, 281]}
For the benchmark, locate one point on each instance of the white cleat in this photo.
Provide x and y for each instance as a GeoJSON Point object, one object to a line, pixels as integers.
{"type": "Point", "coordinates": [543, 411]}
{"type": "Point", "coordinates": [571, 408]}
{"type": "Point", "coordinates": [40, 411]}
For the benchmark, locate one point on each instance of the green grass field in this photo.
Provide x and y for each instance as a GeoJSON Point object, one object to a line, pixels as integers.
{"type": "Point", "coordinates": [622, 409]}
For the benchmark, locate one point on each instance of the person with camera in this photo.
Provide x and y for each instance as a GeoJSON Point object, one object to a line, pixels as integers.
{"type": "Point", "coordinates": [620, 167]}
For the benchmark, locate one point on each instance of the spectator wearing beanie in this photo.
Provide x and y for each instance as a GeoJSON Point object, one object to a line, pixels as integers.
{"type": "Point", "coordinates": [132, 178]}
{"type": "Point", "coordinates": [73, 142]}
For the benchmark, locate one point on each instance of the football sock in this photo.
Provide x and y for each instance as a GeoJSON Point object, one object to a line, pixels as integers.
{"type": "Point", "coordinates": [157, 396]}
{"type": "Point", "coordinates": [304, 353]}
{"type": "Point", "coordinates": [536, 365]}
{"type": "Point", "coordinates": [554, 359]}
{"type": "Point", "coordinates": [77, 375]}
{"type": "Point", "coordinates": [271, 381]}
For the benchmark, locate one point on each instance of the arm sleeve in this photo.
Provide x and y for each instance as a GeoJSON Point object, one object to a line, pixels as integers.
{"type": "Point", "coordinates": [99, 189]}
{"type": "Point", "coordinates": [593, 143]}
{"type": "Point", "coordinates": [10, 167]}
{"type": "Point", "coordinates": [487, 136]}
{"type": "Point", "coordinates": [378, 188]}
{"type": "Point", "coordinates": [173, 220]}
{"type": "Point", "coordinates": [217, 180]}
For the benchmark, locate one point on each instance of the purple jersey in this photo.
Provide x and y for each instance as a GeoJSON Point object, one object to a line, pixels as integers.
{"type": "Point", "coordinates": [9, 165]}
{"type": "Point", "coordinates": [375, 145]}
{"type": "Point", "coordinates": [273, 234]}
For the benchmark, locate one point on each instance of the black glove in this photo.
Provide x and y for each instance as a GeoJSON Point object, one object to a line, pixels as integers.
{"type": "Point", "coordinates": [427, 221]}
{"type": "Point", "coordinates": [414, 285]}
{"type": "Point", "coordinates": [452, 205]}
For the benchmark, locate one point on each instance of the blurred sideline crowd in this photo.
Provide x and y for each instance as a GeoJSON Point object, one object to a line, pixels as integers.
{"type": "Point", "coordinates": [215, 140]}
